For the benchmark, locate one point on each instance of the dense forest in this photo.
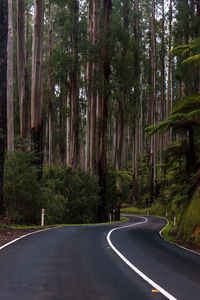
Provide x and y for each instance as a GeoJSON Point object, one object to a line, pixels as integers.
{"type": "Point", "coordinates": [103, 109]}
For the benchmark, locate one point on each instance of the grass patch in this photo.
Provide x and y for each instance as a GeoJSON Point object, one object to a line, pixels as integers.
{"type": "Point", "coordinates": [168, 231]}
{"type": "Point", "coordinates": [135, 211]}
{"type": "Point", "coordinates": [14, 226]}
{"type": "Point", "coordinates": [157, 210]}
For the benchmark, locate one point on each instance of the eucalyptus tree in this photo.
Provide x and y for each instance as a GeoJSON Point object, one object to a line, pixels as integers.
{"type": "Point", "coordinates": [3, 93]}
{"type": "Point", "coordinates": [10, 81]}
{"type": "Point", "coordinates": [105, 92]}
{"type": "Point", "coordinates": [37, 79]}
{"type": "Point", "coordinates": [23, 90]}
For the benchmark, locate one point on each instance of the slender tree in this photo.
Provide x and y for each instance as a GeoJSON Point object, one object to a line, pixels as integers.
{"type": "Point", "coordinates": [3, 93]}
{"type": "Point", "coordinates": [74, 93]}
{"type": "Point", "coordinates": [137, 95]}
{"type": "Point", "coordinates": [23, 89]}
{"type": "Point", "coordinates": [94, 85]}
{"type": "Point", "coordinates": [152, 102]}
{"type": "Point", "coordinates": [10, 104]}
{"type": "Point", "coordinates": [102, 163]}
{"type": "Point", "coordinates": [37, 79]}
{"type": "Point", "coordinates": [167, 134]}
{"type": "Point", "coordinates": [51, 88]}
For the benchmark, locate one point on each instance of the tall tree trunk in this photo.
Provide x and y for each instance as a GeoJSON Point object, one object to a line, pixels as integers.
{"type": "Point", "coordinates": [23, 89]}
{"type": "Point", "coordinates": [51, 88]}
{"type": "Point", "coordinates": [37, 80]}
{"type": "Point", "coordinates": [68, 132]}
{"type": "Point", "coordinates": [162, 103]}
{"type": "Point", "coordinates": [137, 95]}
{"type": "Point", "coordinates": [92, 69]}
{"type": "Point", "coordinates": [3, 93]}
{"type": "Point", "coordinates": [102, 163]}
{"type": "Point", "coordinates": [94, 88]}
{"type": "Point", "coordinates": [152, 104]}
{"type": "Point", "coordinates": [89, 80]}
{"type": "Point", "coordinates": [10, 104]}
{"type": "Point", "coordinates": [167, 134]}
{"type": "Point", "coordinates": [75, 118]}
{"type": "Point", "coordinates": [120, 131]}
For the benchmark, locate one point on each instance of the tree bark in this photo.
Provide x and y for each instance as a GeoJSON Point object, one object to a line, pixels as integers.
{"type": "Point", "coordinates": [152, 104]}
{"type": "Point", "coordinates": [37, 81]}
{"type": "Point", "coordinates": [162, 102]}
{"type": "Point", "coordinates": [51, 88]}
{"type": "Point", "coordinates": [10, 103]}
{"type": "Point", "coordinates": [75, 118]}
{"type": "Point", "coordinates": [137, 95]}
{"type": "Point", "coordinates": [23, 89]}
{"type": "Point", "coordinates": [92, 69]}
{"type": "Point", "coordinates": [102, 163]}
{"type": "Point", "coordinates": [167, 134]}
{"type": "Point", "coordinates": [3, 94]}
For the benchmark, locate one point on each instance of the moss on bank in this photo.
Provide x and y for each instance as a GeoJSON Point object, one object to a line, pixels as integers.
{"type": "Point", "coordinates": [188, 229]}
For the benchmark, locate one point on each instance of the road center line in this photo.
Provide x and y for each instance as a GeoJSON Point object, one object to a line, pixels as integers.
{"type": "Point", "coordinates": [142, 275]}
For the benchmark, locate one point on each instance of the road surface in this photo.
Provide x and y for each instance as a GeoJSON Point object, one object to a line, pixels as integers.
{"type": "Point", "coordinates": [78, 263]}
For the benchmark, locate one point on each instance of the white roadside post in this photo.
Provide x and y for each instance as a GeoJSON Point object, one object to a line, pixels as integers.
{"type": "Point", "coordinates": [166, 214]}
{"type": "Point", "coordinates": [42, 218]}
{"type": "Point", "coordinates": [110, 218]}
{"type": "Point", "coordinates": [174, 221]}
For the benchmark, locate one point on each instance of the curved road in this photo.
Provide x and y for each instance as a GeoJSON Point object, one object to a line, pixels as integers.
{"type": "Point", "coordinates": [77, 263]}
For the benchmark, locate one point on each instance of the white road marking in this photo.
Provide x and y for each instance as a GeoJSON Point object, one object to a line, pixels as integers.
{"type": "Point", "coordinates": [146, 278]}
{"type": "Point", "coordinates": [23, 236]}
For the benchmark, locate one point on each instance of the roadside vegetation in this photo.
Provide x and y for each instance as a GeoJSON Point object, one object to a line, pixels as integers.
{"type": "Point", "coordinates": [103, 111]}
{"type": "Point", "coordinates": [68, 197]}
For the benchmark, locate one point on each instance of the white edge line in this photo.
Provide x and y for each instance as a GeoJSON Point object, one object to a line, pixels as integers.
{"type": "Point", "coordinates": [173, 243]}
{"type": "Point", "coordinates": [23, 236]}
{"type": "Point", "coordinates": [146, 278]}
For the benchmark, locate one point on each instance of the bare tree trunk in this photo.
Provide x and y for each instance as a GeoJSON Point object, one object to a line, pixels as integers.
{"type": "Point", "coordinates": [120, 134]}
{"type": "Point", "coordinates": [37, 80]}
{"type": "Point", "coordinates": [10, 104]}
{"type": "Point", "coordinates": [92, 69]}
{"type": "Point", "coordinates": [102, 163]}
{"type": "Point", "coordinates": [3, 94]}
{"type": "Point", "coordinates": [152, 104]}
{"type": "Point", "coordinates": [137, 102]}
{"type": "Point", "coordinates": [68, 132]}
{"type": "Point", "coordinates": [167, 134]}
{"type": "Point", "coordinates": [46, 137]}
{"type": "Point", "coordinates": [89, 80]}
{"type": "Point", "coordinates": [23, 89]}
{"type": "Point", "coordinates": [161, 114]}
{"type": "Point", "coordinates": [51, 89]}
{"type": "Point", "coordinates": [75, 118]}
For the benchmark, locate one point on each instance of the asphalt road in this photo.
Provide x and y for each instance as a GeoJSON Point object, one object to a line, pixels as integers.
{"type": "Point", "coordinates": [77, 263]}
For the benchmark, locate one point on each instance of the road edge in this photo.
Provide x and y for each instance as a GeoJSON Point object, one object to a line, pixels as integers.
{"type": "Point", "coordinates": [174, 243]}
{"type": "Point", "coordinates": [23, 236]}
{"type": "Point", "coordinates": [134, 268]}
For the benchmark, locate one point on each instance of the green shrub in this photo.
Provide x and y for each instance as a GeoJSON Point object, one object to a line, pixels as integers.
{"type": "Point", "coordinates": [70, 197]}
{"type": "Point", "coordinates": [21, 188]}
{"type": "Point", "coordinates": [83, 198]}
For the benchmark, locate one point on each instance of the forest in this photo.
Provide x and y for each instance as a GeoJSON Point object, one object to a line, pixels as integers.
{"type": "Point", "coordinates": [99, 110]}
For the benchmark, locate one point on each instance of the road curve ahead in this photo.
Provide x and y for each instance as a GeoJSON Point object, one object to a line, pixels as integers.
{"type": "Point", "coordinates": [79, 263]}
